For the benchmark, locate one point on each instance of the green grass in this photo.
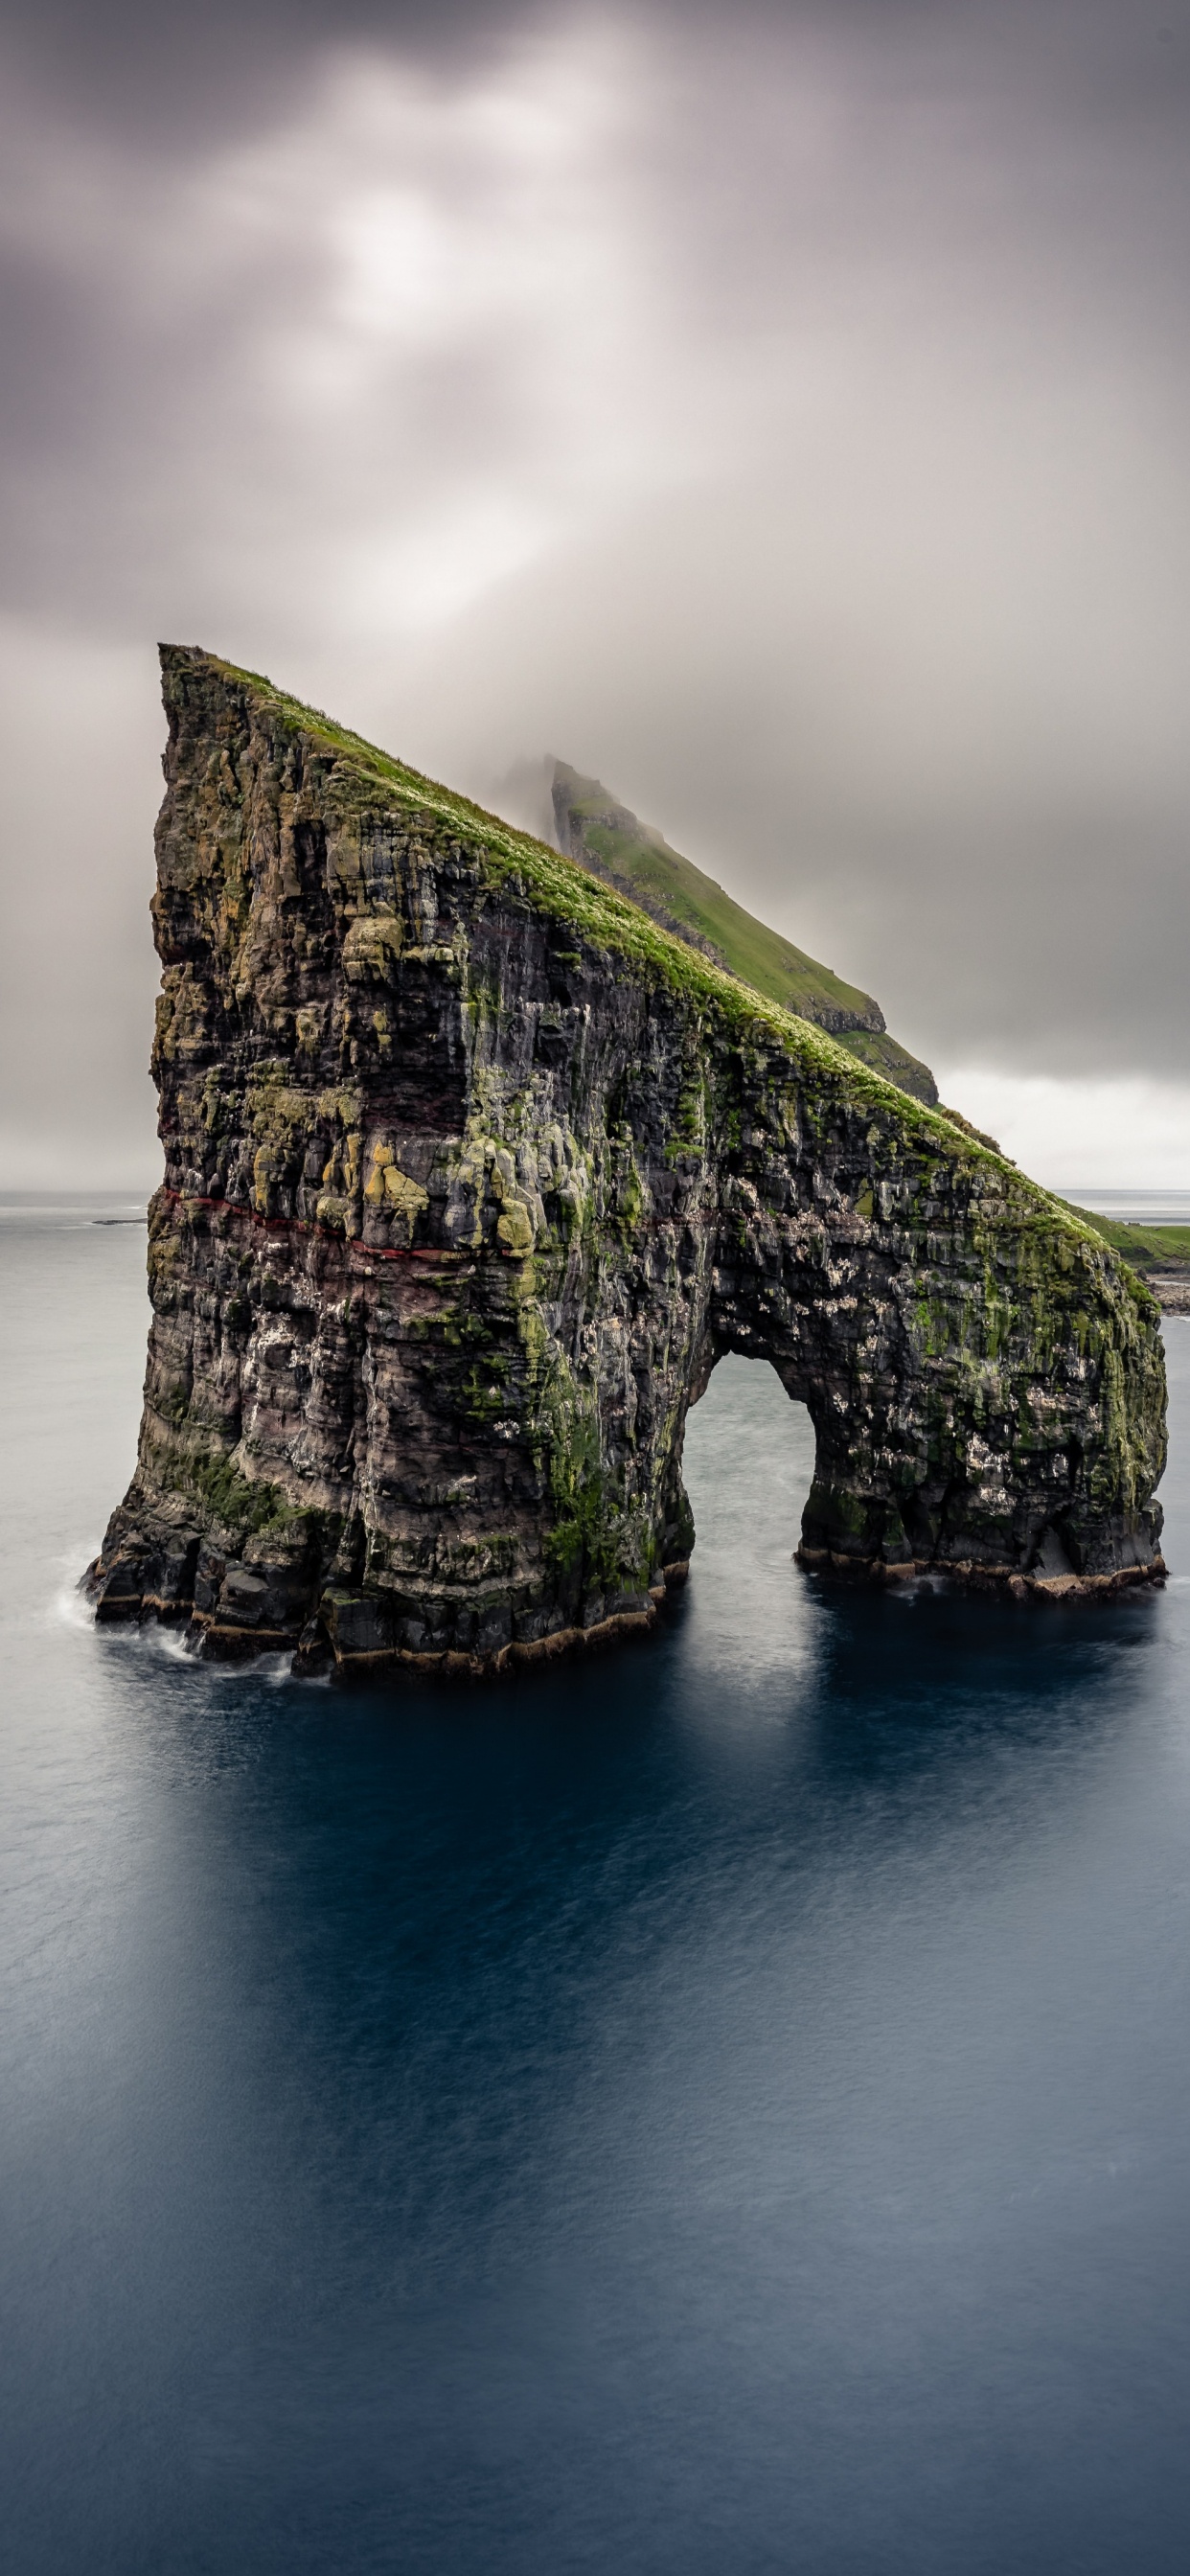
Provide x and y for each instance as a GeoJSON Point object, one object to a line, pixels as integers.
{"type": "Point", "coordinates": [886, 1055]}
{"type": "Point", "coordinates": [1144, 1247]}
{"type": "Point", "coordinates": [644, 866]}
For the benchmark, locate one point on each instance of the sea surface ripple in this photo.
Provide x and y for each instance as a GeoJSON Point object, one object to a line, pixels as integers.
{"type": "Point", "coordinates": [724, 2107]}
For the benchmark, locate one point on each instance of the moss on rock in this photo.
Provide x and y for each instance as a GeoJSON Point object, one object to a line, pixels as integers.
{"type": "Point", "coordinates": [472, 1172]}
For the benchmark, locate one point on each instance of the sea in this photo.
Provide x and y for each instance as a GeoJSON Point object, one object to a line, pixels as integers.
{"type": "Point", "coordinates": [718, 2109]}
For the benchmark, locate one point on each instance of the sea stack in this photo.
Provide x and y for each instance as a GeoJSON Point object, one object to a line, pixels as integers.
{"type": "Point", "coordinates": [472, 1172]}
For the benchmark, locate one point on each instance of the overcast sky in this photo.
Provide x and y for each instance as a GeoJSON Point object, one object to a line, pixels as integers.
{"type": "Point", "coordinates": [779, 410]}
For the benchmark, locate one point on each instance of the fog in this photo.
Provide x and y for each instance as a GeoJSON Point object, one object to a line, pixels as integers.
{"type": "Point", "coordinates": [778, 412]}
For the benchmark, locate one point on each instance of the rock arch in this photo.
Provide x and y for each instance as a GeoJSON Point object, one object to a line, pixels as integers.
{"type": "Point", "coordinates": [472, 1172]}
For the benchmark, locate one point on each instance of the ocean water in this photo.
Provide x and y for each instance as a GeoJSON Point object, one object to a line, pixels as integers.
{"type": "Point", "coordinates": [725, 2107]}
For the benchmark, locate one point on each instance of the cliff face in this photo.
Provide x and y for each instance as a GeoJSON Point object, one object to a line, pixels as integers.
{"type": "Point", "coordinates": [472, 1173]}
{"type": "Point", "coordinates": [610, 840]}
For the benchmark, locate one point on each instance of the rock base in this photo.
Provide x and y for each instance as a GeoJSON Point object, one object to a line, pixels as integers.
{"type": "Point", "coordinates": [1004, 1579]}
{"type": "Point", "coordinates": [317, 1649]}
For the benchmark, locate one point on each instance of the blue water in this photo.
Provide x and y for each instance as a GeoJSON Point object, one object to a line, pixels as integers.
{"type": "Point", "coordinates": [725, 2108]}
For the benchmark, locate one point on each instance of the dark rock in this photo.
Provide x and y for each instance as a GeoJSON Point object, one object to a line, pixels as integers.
{"type": "Point", "coordinates": [472, 1173]}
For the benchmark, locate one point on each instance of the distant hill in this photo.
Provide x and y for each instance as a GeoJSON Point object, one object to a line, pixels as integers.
{"type": "Point", "coordinates": [1146, 1247]}
{"type": "Point", "coordinates": [614, 844]}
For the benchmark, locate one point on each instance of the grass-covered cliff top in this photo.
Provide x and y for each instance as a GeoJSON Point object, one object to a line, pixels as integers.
{"type": "Point", "coordinates": [670, 887]}
{"type": "Point", "coordinates": [558, 886]}
{"type": "Point", "coordinates": [658, 874]}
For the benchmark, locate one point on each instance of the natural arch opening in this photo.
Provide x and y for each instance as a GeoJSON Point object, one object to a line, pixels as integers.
{"type": "Point", "coordinates": [748, 1466]}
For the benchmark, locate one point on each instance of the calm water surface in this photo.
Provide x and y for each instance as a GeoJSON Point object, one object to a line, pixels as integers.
{"type": "Point", "coordinates": [723, 2109]}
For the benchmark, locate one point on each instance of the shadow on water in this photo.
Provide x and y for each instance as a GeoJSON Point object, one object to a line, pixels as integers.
{"type": "Point", "coordinates": [721, 2105]}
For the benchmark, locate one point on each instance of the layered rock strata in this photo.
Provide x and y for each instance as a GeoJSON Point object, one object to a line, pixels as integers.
{"type": "Point", "coordinates": [473, 1173]}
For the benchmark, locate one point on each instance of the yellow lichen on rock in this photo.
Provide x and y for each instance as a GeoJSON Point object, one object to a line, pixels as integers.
{"type": "Point", "coordinates": [515, 1226]}
{"type": "Point", "coordinates": [403, 1192]}
{"type": "Point", "coordinates": [370, 947]}
{"type": "Point", "coordinates": [336, 1206]}
{"type": "Point", "coordinates": [389, 1187]}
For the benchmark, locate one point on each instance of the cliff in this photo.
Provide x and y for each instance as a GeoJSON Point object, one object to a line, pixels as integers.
{"type": "Point", "coordinates": [628, 854]}
{"type": "Point", "coordinates": [471, 1174]}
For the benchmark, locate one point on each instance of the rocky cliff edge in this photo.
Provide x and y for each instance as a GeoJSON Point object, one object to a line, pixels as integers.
{"type": "Point", "coordinates": [472, 1173]}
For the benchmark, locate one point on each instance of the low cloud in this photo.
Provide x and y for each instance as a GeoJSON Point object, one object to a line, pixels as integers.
{"type": "Point", "coordinates": [781, 415]}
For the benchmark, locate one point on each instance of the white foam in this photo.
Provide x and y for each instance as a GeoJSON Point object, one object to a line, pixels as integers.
{"type": "Point", "coordinates": [70, 1608]}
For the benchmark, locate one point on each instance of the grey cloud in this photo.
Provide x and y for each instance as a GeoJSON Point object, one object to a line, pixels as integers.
{"type": "Point", "coordinates": [779, 412]}
{"type": "Point", "coordinates": [172, 76]}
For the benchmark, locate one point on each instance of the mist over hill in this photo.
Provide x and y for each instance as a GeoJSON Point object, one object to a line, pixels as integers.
{"type": "Point", "coordinates": [607, 837]}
